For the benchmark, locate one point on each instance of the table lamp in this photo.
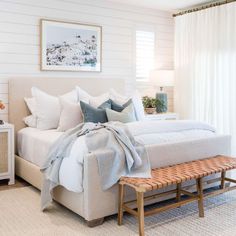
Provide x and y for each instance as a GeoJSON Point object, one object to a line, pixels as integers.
{"type": "Point", "coordinates": [161, 79]}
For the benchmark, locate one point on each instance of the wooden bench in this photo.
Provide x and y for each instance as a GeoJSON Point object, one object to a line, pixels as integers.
{"type": "Point", "coordinates": [175, 175]}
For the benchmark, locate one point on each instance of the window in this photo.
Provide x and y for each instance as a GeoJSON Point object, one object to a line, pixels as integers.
{"type": "Point", "coordinates": [145, 48]}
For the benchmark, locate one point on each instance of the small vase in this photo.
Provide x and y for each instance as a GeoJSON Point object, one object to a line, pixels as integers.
{"type": "Point", "coordinates": [162, 97]}
{"type": "Point", "coordinates": [150, 110]}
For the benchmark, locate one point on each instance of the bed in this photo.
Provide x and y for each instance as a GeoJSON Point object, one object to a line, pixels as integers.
{"type": "Point", "coordinates": [93, 204]}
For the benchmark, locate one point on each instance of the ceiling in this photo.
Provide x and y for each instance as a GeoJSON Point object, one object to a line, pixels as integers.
{"type": "Point", "coordinates": [168, 5]}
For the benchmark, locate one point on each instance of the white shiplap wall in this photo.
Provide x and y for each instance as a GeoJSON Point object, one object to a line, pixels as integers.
{"type": "Point", "coordinates": [19, 37]}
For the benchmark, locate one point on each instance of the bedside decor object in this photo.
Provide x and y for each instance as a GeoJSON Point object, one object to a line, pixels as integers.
{"type": "Point", "coordinates": [7, 158]}
{"type": "Point", "coordinates": [151, 105]}
{"type": "Point", "coordinates": [162, 78]}
{"type": "Point", "coordinates": [2, 107]}
{"type": "Point", "coordinates": [69, 46]}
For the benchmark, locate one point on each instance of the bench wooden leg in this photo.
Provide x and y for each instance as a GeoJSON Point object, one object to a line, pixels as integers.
{"type": "Point", "coordinates": [222, 184]}
{"type": "Point", "coordinates": [140, 203]}
{"type": "Point", "coordinates": [178, 192]}
{"type": "Point", "coordinates": [120, 204]}
{"type": "Point", "coordinates": [200, 197]}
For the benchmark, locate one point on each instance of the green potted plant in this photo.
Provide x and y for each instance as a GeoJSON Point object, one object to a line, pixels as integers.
{"type": "Point", "coordinates": [152, 105]}
{"type": "Point", "coordinates": [149, 104]}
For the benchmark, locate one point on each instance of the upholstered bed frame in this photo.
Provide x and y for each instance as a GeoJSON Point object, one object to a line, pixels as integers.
{"type": "Point", "coordinates": [93, 204]}
{"type": "Point", "coordinates": [84, 203]}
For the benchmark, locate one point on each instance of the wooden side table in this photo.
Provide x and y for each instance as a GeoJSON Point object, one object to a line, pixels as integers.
{"type": "Point", "coordinates": [7, 157]}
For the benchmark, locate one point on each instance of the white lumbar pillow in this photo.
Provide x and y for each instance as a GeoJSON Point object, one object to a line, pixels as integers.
{"type": "Point", "coordinates": [48, 108]}
{"type": "Point", "coordinates": [71, 115]}
{"type": "Point", "coordinates": [136, 100]}
{"type": "Point", "coordinates": [87, 98]}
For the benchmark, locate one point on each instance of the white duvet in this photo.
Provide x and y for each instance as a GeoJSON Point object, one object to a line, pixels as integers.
{"type": "Point", "coordinates": [34, 144]}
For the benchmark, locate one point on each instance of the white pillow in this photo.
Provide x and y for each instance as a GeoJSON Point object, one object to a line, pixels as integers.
{"type": "Point", "coordinates": [125, 116]}
{"type": "Point", "coordinates": [30, 121]}
{"type": "Point", "coordinates": [87, 98]}
{"type": "Point", "coordinates": [48, 108]}
{"type": "Point", "coordinates": [97, 101]}
{"type": "Point", "coordinates": [31, 104]}
{"type": "Point", "coordinates": [71, 115]}
{"type": "Point", "coordinates": [71, 96]}
{"type": "Point", "coordinates": [82, 95]}
{"type": "Point", "coordinates": [118, 98]}
{"type": "Point", "coordinates": [136, 99]}
{"type": "Point", "coordinates": [138, 106]}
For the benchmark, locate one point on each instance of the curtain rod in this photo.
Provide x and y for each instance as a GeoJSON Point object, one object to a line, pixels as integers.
{"type": "Point", "coordinates": [216, 4]}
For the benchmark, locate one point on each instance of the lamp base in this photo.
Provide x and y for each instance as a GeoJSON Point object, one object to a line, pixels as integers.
{"type": "Point", "coordinates": [163, 98]}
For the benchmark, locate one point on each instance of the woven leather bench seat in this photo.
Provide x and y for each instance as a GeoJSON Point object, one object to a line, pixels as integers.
{"type": "Point", "coordinates": [162, 177]}
{"type": "Point", "coordinates": [175, 175]}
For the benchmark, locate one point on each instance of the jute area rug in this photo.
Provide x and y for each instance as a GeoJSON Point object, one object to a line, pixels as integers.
{"type": "Point", "coordinates": [20, 215]}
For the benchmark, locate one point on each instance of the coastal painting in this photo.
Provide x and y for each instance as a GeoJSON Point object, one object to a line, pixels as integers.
{"type": "Point", "coordinates": [70, 46]}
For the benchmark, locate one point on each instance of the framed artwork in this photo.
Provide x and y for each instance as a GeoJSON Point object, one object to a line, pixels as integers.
{"type": "Point", "coordinates": [68, 46]}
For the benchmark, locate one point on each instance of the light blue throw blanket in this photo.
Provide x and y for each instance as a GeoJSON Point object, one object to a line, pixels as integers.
{"type": "Point", "coordinates": [117, 153]}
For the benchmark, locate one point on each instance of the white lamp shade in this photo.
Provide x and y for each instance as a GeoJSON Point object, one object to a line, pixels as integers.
{"type": "Point", "coordinates": [162, 78]}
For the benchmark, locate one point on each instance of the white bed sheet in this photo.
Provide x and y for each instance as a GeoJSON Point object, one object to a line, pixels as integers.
{"type": "Point", "coordinates": [33, 146]}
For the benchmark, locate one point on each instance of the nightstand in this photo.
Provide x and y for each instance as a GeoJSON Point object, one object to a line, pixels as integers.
{"type": "Point", "coordinates": [7, 157]}
{"type": "Point", "coordinates": [161, 116]}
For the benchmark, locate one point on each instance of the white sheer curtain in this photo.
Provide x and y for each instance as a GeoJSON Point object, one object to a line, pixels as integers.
{"type": "Point", "coordinates": [205, 66]}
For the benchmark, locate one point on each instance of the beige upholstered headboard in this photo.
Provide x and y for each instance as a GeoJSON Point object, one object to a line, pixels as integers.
{"type": "Point", "coordinates": [21, 87]}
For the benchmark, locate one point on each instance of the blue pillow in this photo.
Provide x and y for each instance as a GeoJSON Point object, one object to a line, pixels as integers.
{"type": "Point", "coordinates": [106, 104]}
{"type": "Point", "coordinates": [117, 107]}
{"type": "Point", "coordinates": [95, 115]}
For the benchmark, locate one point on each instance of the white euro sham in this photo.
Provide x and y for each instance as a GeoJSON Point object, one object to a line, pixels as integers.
{"type": "Point", "coordinates": [48, 108]}
{"type": "Point", "coordinates": [91, 100]}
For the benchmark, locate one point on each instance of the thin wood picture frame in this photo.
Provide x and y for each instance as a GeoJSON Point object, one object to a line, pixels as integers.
{"type": "Point", "coordinates": [70, 46]}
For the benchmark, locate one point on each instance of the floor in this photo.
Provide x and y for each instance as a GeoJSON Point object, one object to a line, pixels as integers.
{"type": "Point", "coordinates": [58, 220]}
{"type": "Point", "coordinates": [20, 215]}
{"type": "Point", "coordinates": [19, 183]}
